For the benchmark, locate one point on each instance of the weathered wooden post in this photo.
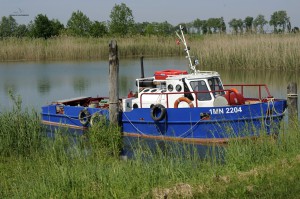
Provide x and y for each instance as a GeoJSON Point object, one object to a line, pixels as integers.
{"type": "Point", "coordinates": [142, 67]}
{"type": "Point", "coordinates": [113, 83]}
{"type": "Point", "coordinates": [292, 102]}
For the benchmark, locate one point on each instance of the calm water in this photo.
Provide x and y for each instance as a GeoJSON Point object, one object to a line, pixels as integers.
{"type": "Point", "coordinates": [40, 83]}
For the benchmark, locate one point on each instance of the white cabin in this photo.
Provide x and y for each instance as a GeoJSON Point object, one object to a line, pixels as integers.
{"type": "Point", "coordinates": [189, 90]}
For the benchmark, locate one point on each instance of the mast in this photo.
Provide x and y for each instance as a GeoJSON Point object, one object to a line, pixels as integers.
{"type": "Point", "coordinates": [187, 50]}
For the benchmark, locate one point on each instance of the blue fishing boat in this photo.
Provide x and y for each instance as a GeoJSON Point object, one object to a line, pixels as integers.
{"type": "Point", "coordinates": [178, 105]}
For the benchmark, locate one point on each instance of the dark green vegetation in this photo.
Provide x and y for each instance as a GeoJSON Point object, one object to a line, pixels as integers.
{"type": "Point", "coordinates": [33, 165]}
{"type": "Point", "coordinates": [122, 23]}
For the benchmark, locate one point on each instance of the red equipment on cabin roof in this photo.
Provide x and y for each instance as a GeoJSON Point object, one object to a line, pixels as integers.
{"type": "Point", "coordinates": [163, 74]}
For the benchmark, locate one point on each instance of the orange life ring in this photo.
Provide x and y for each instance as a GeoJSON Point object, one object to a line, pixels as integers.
{"type": "Point", "coordinates": [183, 99]}
{"type": "Point", "coordinates": [234, 97]}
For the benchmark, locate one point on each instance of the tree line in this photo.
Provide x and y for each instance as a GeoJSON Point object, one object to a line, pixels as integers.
{"type": "Point", "coordinates": [122, 23]}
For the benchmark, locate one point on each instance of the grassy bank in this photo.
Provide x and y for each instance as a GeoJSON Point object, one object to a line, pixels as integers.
{"type": "Point", "coordinates": [33, 165]}
{"type": "Point", "coordinates": [266, 51]}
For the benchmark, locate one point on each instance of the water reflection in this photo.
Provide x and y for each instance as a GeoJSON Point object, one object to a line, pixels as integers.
{"type": "Point", "coordinates": [80, 84]}
{"type": "Point", "coordinates": [41, 83]}
{"type": "Point", "coordinates": [10, 88]}
{"type": "Point", "coordinates": [44, 85]}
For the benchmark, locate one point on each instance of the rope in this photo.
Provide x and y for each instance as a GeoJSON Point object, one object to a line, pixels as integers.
{"type": "Point", "coordinates": [83, 117]}
{"type": "Point", "coordinates": [133, 125]}
{"type": "Point", "coordinates": [182, 135]}
{"type": "Point", "coordinates": [271, 102]}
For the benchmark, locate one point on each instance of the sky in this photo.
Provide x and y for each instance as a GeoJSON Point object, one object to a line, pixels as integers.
{"type": "Point", "coordinates": [172, 11]}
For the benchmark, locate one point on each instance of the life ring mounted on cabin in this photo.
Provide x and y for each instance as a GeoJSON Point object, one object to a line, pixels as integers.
{"type": "Point", "coordinates": [84, 117]}
{"type": "Point", "coordinates": [234, 97]}
{"type": "Point", "coordinates": [183, 99]}
{"type": "Point", "coordinates": [158, 112]}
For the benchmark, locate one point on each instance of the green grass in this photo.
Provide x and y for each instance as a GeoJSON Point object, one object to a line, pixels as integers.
{"type": "Point", "coordinates": [35, 166]}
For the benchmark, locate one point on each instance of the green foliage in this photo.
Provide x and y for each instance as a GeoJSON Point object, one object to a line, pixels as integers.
{"type": "Point", "coordinates": [8, 27]}
{"type": "Point", "coordinates": [198, 25]}
{"type": "Point", "coordinates": [57, 27]}
{"type": "Point", "coordinates": [121, 20]}
{"type": "Point", "coordinates": [281, 20]}
{"type": "Point", "coordinates": [215, 25]}
{"type": "Point", "coordinates": [248, 23]}
{"type": "Point", "coordinates": [42, 27]}
{"type": "Point", "coordinates": [21, 31]}
{"type": "Point", "coordinates": [164, 28]}
{"type": "Point", "coordinates": [259, 22]}
{"type": "Point", "coordinates": [237, 25]}
{"type": "Point", "coordinates": [79, 24]}
{"type": "Point", "coordinates": [98, 29]}
{"type": "Point", "coordinates": [122, 24]}
{"type": "Point", "coordinates": [150, 29]}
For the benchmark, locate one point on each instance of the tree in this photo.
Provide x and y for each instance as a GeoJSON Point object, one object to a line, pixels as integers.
{"type": "Point", "coordinates": [240, 24]}
{"type": "Point", "coordinates": [164, 28]}
{"type": "Point", "coordinates": [21, 31]}
{"type": "Point", "coordinates": [150, 29]}
{"type": "Point", "coordinates": [279, 19]}
{"type": "Point", "coordinates": [204, 27]}
{"type": "Point", "coordinates": [141, 27]}
{"type": "Point", "coordinates": [42, 27]}
{"type": "Point", "coordinates": [79, 24]}
{"type": "Point", "coordinates": [222, 25]}
{"type": "Point", "coordinates": [295, 29]}
{"type": "Point", "coordinates": [259, 22]}
{"type": "Point", "coordinates": [215, 25]}
{"type": "Point", "coordinates": [122, 21]}
{"type": "Point", "coordinates": [233, 24]}
{"type": "Point", "coordinates": [98, 29]}
{"type": "Point", "coordinates": [212, 24]}
{"type": "Point", "coordinates": [237, 25]}
{"type": "Point", "coordinates": [197, 24]}
{"type": "Point", "coordinates": [8, 26]}
{"type": "Point", "coordinates": [249, 24]}
{"type": "Point", "coordinates": [56, 27]}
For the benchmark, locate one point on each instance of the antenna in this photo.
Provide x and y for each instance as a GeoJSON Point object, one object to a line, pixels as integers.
{"type": "Point", "coordinates": [187, 49]}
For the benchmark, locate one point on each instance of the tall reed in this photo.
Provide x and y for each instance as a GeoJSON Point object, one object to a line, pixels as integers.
{"type": "Point", "coordinates": [262, 51]}
{"type": "Point", "coordinates": [20, 132]}
{"type": "Point", "coordinates": [71, 48]}
{"type": "Point", "coordinates": [266, 51]}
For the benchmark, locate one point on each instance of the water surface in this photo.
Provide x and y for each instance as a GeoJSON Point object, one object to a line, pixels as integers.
{"type": "Point", "coordinates": [40, 83]}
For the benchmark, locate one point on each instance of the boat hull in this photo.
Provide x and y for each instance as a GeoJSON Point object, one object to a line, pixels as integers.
{"type": "Point", "coordinates": [201, 124]}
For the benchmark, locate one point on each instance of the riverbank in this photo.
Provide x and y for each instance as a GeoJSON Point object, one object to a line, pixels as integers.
{"type": "Point", "coordinates": [33, 165]}
{"type": "Point", "coordinates": [267, 51]}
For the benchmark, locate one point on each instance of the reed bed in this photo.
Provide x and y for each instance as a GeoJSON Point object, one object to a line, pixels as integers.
{"type": "Point", "coordinates": [71, 48]}
{"type": "Point", "coordinates": [34, 165]}
{"type": "Point", "coordinates": [252, 52]}
{"type": "Point", "coordinates": [261, 51]}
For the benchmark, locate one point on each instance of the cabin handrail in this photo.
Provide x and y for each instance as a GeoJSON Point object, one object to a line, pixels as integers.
{"type": "Point", "coordinates": [215, 91]}
{"type": "Point", "coordinates": [251, 85]}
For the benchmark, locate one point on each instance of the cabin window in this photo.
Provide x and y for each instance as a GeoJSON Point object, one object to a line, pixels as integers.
{"type": "Point", "coordinates": [216, 85]}
{"type": "Point", "coordinates": [170, 87]}
{"type": "Point", "coordinates": [178, 88]}
{"type": "Point", "coordinates": [201, 90]}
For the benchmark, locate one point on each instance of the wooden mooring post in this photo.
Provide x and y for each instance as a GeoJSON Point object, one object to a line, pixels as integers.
{"type": "Point", "coordinates": [292, 102]}
{"type": "Point", "coordinates": [113, 83]}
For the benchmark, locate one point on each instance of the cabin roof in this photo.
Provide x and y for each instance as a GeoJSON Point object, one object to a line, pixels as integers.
{"type": "Point", "coordinates": [198, 75]}
{"type": "Point", "coordinates": [202, 74]}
